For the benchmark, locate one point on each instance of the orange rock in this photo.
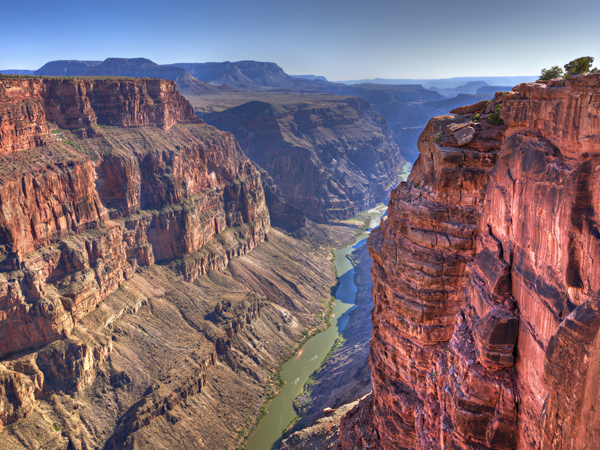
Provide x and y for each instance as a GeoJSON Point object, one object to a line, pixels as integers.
{"type": "Point", "coordinates": [80, 213]}
{"type": "Point", "coordinates": [485, 282]}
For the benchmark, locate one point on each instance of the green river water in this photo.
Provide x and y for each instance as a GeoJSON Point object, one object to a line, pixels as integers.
{"type": "Point", "coordinates": [298, 369]}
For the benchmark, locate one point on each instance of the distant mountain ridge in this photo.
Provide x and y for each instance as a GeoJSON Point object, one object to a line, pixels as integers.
{"type": "Point", "coordinates": [448, 83]}
{"type": "Point", "coordinates": [16, 72]}
{"type": "Point", "coordinates": [129, 67]}
{"type": "Point", "coordinates": [311, 77]}
{"type": "Point", "coordinates": [256, 76]}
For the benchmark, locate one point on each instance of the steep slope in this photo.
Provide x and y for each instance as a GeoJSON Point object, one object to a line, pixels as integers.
{"type": "Point", "coordinates": [133, 313]}
{"type": "Point", "coordinates": [123, 67]}
{"type": "Point", "coordinates": [255, 76]}
{"type": "Point", "coordinates": [485, 328]}
{"type": "Point", "coordinates": [330, 156]}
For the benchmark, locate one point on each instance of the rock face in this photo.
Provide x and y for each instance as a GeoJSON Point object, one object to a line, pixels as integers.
{"type": "Point", "coordinates": [330, 159]}
{"type": "Point", "coordinates": [26, 104]}
{"type": "Point", "coordinates": [123, 175]}
{"type": "Point", "coordinates": [485, 327]}
{"type": "Point", "coordinates": [282, 213]}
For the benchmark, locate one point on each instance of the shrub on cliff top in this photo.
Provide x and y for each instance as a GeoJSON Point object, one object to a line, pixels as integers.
{"type": "Point", "coordinates": [552, 72]}
{"type": "Point", "coordinates": [494, 118]}
{"type": "Point", "coordinates": [578, 66]}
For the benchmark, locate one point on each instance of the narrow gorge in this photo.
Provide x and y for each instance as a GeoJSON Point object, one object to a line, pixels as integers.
{"type": "Point", "coordinates": [148, 299]}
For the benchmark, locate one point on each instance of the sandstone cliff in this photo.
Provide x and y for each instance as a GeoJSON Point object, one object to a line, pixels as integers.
{"type": "Point", "coordinates": [99, 178]}
{"type": "Point", "coordinates": [330, 156]}
{"type": "Point", "coordinates": [485, 326]}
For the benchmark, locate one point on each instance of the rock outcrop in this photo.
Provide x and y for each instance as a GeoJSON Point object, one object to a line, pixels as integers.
{"type": "Point", "coordinates": [28, 104]}
{"type": "Point", "coordinates": [331, 157]}
{"type": "Point", "coordinates": [100, 177]}
{"type": "Point", "coordinates": [485, 326]}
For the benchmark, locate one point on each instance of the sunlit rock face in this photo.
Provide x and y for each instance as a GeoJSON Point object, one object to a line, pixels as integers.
{"type": "Point", "coordinates": [486, 307]}
{"type": "Point", "coordinates": [101, 177]}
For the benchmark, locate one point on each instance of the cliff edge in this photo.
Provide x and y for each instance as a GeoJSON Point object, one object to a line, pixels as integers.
{"type": "Point", "coordinates": [486, 293]}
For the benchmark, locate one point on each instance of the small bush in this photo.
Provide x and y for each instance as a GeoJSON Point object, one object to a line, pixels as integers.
{"type": "Point", "coordinates": [476, 117]}
{"type": "Point", "coordinates": [494, 118]}
{"type": "Point", "coordinates": [438, 137]}
{"type": "Point", "coordinates": [551, 73]}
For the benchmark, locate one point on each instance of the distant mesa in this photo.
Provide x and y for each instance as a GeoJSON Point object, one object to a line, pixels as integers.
{"type": "Point", "coordinates": [257, 76]}
{"type": "Point", "coordinates": [447, 83]}
{"type": "Point", "coordinates": [72, 68]}
{"type": "Point", "coordinates": [16, 72]}
{"type": "Point", "coordinates": [491, 90]}
{"type": "Point", "coordinates": [133, 67]}
{"type": "Point", "coordinates": [311, 77]}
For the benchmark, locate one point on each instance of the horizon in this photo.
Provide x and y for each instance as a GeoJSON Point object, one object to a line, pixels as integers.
{"type": "Point", "coordinates": [466, 77]}
{"type": "Point", "coordinates": [340, 40]}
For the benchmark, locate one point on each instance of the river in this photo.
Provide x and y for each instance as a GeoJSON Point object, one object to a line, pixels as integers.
{"type": "Point", "coordinates": [298, 369]}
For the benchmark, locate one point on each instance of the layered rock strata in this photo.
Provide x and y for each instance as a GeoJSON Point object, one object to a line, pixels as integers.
{"type": "Point", "coordinates": [485, 286]}
{"type": "Point", "coordinates": [164, 363]}
{"type": "Point", "coordinates": [27, 104]}
{"type": "Point", "coordinates": [331, 157]}
{"type": "Point", "coordinates": [127, 176]}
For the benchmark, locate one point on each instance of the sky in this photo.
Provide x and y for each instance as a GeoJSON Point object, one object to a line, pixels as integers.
{"type": "Point", "coordinates": [339, 39]}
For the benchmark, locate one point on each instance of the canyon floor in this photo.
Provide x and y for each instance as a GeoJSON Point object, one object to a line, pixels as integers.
{"type": "Point", "coordinates": [159, 325]}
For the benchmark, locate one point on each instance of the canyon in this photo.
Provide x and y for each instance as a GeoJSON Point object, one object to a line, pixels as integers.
{"type": "Point", "coordinates": [330, 156]}
{"type": "Point", "coordinates": [142, 286]}
{"type": "Point", "coordinates": [407, 105]}
{"type": "Point", "coordinates": [485, 323]}
{"type": "Point", "coordinates": [141, 283]}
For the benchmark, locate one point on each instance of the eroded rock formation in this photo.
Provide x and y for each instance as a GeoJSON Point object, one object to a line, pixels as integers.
{"type": "Point", "coordinates": [485, 284]}
{"type": "Point", "coordinates": [98, 179]}
{"type": "Point", "coordinates": [330, 156]}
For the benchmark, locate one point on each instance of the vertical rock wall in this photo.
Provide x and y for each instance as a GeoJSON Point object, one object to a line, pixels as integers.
{"type": "Point", "coordinates": [83, 206]}
{"type": "Point", "coordinates": [485, 291]}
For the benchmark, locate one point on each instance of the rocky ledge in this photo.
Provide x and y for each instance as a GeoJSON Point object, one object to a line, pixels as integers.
{"type": "Point", "coordinates": [485, 327]}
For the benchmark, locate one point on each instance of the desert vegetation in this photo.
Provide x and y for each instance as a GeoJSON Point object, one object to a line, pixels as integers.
{"type": "Point", "coordinates": [578, 66]}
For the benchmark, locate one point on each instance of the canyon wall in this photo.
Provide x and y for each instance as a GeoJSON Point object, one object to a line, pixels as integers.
{"type": "Point", "coordinates": [330, 156]}
{"type": "Point", "coordinates": [485, 326]}
{"type": "Point", "coordinates": [99, 178]}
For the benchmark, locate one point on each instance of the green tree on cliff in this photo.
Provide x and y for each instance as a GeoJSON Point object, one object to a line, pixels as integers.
{"type": "Point", "coordinates": [552, 72]}
{"type": "Point", "coordinates": [576, 67]}
{"type": "Point", "coordinates": [580, 66]}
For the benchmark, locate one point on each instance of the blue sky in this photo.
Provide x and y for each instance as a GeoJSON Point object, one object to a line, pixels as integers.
{"type": "Point", "coordinates": [341, 40]}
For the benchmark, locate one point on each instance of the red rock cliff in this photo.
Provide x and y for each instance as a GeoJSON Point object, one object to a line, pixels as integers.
{"type": "Point", "coordinates": [27, 103]}
{"type": "Point", "coordinates": [486, 292]}
{"type": "Point", "coordinates": [100, 177]}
